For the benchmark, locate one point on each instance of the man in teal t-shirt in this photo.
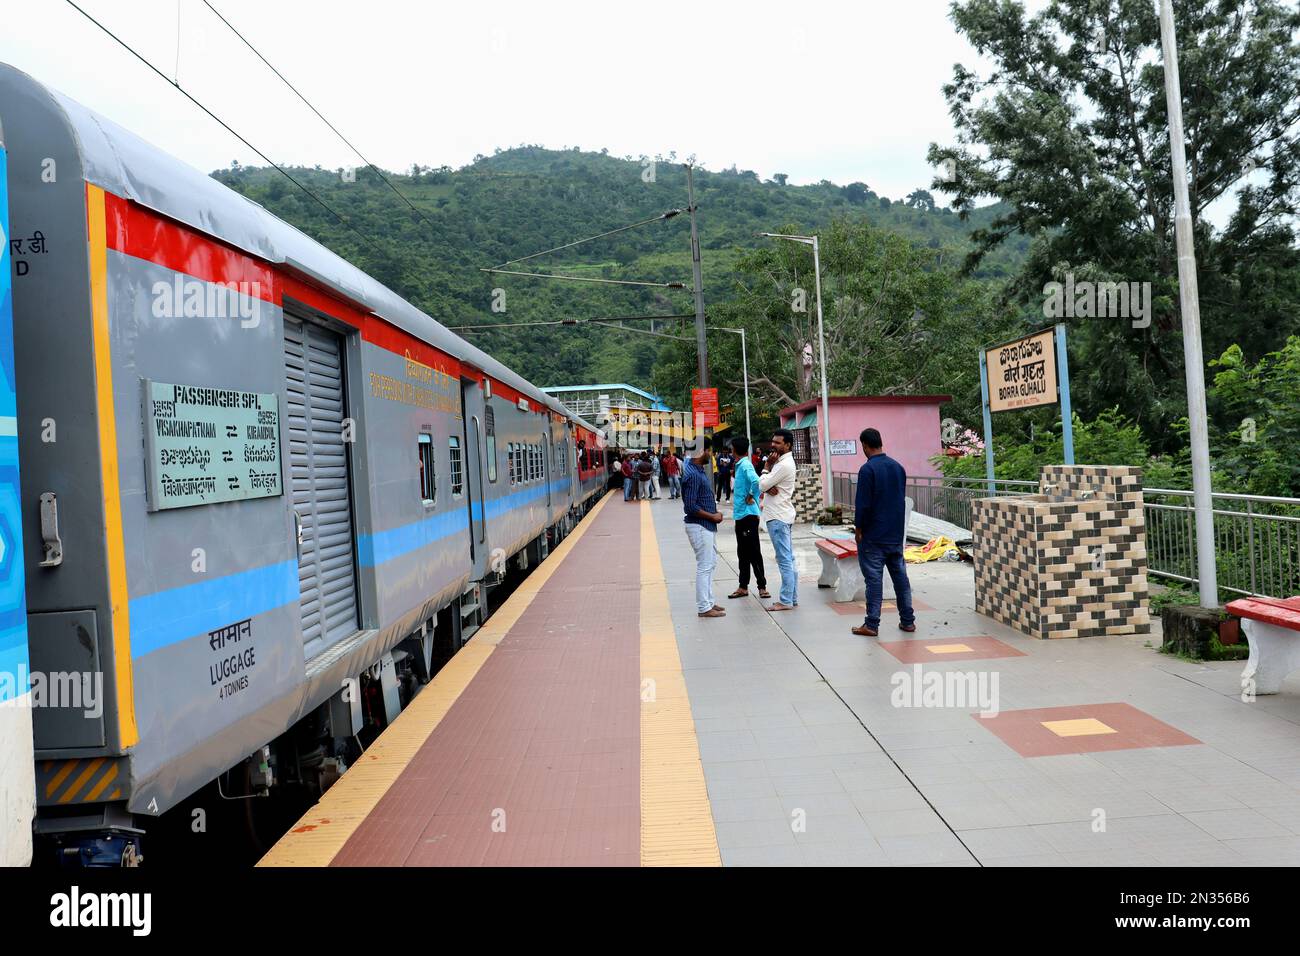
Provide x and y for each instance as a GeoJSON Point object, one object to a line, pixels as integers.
{"type": "Point", "coordinates": [744, 504]}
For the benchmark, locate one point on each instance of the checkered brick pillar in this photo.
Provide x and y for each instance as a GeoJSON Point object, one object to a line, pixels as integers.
{"type": "Point", "coordinates": [808, 491]}
{"type": "Point", "coordinates": [1007, 571]}
{"type": "Point", "coordinates": [1074, 555]}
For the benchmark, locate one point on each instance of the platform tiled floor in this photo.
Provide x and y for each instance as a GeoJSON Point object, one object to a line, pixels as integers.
{"type": "Point", "coordinates": [809, 760]}
{"type": "Point", "coordinates": [784, 739]}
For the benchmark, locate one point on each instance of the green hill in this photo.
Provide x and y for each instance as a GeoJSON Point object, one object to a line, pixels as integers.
{"type": "Point", "coordinates": [526, 199]}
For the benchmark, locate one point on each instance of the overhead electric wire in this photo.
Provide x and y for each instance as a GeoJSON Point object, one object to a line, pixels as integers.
{"type": "Point", "coordinates": [551, 275]}
{"type": "Point", "coordinates": [332, 127]}
{"type": "Point", "coordinates": [577, 242]}
{"type": "Point", "coordinates": [126, 46]}
{"type": "Point", "coordinates": [606, 322]}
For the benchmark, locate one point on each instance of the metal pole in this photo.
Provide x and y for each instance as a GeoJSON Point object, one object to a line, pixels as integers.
{"type": "Point", "coordinates": [988, 423]}
{"type": "Point", "coordinates": [701, 345]}
{"type": "Point", "coordinates": [1189, 303]}
{"type": "Point", "coordinates": [1063, 386]}
{"type": "Point", "coordinates": [826, 401]}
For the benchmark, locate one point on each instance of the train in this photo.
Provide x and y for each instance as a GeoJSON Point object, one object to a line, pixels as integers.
{"type": "Point", "coordinates": [259, 489]}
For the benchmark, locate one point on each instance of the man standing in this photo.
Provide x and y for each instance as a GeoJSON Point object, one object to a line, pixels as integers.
{"type": "Point", "coordinates": [629, 479]}
{"type": "Point", "coordinates": [778, 484]}
{"type": "Point", "coordinates": [673, 472]}
{"type": "Point", "coordinates": [725, 461]}
{"type": "Point", "coordinates": [644, 473]}
{"type": "Point", "coordinates": [879, 526]}
{"type": "Point", "coordinates": [745, 511]}
{"type": "Point", "coordinates": [654, 479]}
{"type": "Point", "coordinates": [702, 518]}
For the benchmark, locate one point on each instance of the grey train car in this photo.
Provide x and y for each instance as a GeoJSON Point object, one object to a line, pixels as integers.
{"type": "Point", "coordinates": [257, 484]}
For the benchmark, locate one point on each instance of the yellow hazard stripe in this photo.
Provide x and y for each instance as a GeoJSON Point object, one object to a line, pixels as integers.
{"type": "Point", "coordinates": [676, 818]}
{"type": "Point", "coordinates": [115, 551]}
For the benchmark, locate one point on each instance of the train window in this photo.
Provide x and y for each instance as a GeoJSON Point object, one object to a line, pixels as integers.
{"type": "Point", "coordinates": [490, 426]}
{"type": "Point", "coordinates": [428, 487]}
{"type": "Point", "coordinates": [510, 462]}
{"type": "Point", "coordinates": [457, 465]}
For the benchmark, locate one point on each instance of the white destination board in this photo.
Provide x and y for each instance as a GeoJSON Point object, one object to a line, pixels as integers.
{"type": "Point", "coordinates": [205, 445]}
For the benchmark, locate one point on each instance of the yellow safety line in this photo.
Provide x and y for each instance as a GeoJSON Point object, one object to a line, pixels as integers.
{"type": "Point", "coordinates": [323, 830]}
{"type": "Point", "coordinates": [676, 819]}
{"type": "Point", "coordinates": [115, 550]}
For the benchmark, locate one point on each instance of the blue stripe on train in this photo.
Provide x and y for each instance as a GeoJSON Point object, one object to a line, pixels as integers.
{"type": "Point", "coordinates": [168, 617]}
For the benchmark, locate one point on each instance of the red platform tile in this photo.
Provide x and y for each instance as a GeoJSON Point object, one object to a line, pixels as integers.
{"type": "Point", "coordinates": [544, 741]}
{"type": "Point", "coordinates": [1085, 728]}
{"type": "Point", "coordinates": [931, 651]}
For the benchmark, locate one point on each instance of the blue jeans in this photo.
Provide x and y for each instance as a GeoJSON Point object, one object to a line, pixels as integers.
{"type": "Point", "coordinates": [675, 485]}
{"type": "Point", "coordinates": [873, 558]}
{"type": "Point", "coordinates": [779, 532]}
{"type": "Point", "coordinates": [627, 488]}
{"type": "Point", "coordinates": [706, 558]}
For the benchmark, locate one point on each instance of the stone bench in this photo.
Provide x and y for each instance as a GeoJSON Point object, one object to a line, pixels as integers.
{"type": "Point", "coordinates": [840, 568]}
{"type": "Point", "coordinates": [1273, 630]}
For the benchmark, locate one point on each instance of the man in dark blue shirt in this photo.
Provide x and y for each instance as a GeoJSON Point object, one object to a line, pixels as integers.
{"type": "Point", "coordinates": [879, 525]}
{"type": "Point", "coordinates": [702, 517]}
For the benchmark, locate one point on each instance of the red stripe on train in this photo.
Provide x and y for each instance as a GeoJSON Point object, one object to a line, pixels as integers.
{"type": "Point", "coordinates": [140, 232]}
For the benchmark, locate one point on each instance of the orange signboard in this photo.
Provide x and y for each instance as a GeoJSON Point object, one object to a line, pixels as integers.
{"type": "Point", "coordinates": [704, 407]}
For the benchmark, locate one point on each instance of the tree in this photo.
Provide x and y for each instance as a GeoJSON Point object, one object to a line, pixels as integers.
{"type": "Point", "coordinates": [920, 199]}
{"type": "Point", "coordinates": [1069, 131]}
{"type": "Point", "coordinates": [894, 321]}
{"type": "Point", "coordinates": [780, 178]}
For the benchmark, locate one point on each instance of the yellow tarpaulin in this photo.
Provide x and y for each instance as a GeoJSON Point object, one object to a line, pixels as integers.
{"type": "Point", "coordinates": [932, 550]}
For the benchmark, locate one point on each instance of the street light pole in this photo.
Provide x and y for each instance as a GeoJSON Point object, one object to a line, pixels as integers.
{"type": "Point", "coordinates": [744, 364]}
{"type": "Point", "coordinates": [1189, 303]}
{"type": "Point", "coordinates": [825, 426]}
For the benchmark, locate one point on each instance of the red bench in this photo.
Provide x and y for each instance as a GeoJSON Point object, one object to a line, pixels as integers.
{"type": "Point", "coordinates": [840, 568]}
{"type": "Point", "coordinates": [1273, 630]}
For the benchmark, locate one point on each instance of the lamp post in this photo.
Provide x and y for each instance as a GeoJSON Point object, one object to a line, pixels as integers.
{"type": "Point", "coordinates": [744, 364]}
{"type": "Point", "coordinates": [825, 428]}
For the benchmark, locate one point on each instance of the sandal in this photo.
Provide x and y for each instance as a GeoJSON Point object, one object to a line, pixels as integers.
{"type": "Point", "coordinates": [763, 593]}
{"type": "Point", "coordinates": [738, 593]}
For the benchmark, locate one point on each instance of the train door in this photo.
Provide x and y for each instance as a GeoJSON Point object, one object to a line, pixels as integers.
{"type": "Point", "coordinates": [547, 461]}
{"type": "Point", "coordinates": [473, 409]}
{"type": "Point", "coordinates": [320, 480]}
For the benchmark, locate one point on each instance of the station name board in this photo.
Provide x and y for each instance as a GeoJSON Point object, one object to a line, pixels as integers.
{"type": "Point", "coordinates": [1022, 374]}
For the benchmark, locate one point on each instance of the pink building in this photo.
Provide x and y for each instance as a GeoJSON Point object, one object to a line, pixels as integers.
{"type": "Point", "coordinates": [909, 425]}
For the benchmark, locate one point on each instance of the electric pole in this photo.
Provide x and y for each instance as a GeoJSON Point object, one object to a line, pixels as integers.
{"type": "Point", "coordinates": [701, 342]}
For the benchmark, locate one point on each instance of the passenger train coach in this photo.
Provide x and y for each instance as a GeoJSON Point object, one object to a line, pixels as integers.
{"type": "Point", "coordinates": [257, 485]}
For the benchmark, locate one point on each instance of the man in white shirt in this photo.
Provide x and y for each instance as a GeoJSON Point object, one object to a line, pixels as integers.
{"type": "Point", "coordinates": [777, 485]}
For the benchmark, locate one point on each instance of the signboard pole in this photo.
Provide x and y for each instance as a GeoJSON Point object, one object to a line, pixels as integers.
{"type": "Point", "coordinates": [1063, 380]}
{"type": "Point", "coordinates": [988, 422]}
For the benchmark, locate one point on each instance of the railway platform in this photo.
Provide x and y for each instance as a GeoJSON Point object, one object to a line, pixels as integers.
{"type": "Point", "coordinates": [596, 720]}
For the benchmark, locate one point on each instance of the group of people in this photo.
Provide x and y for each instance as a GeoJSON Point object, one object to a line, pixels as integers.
{"type": "Point", "coordinates": [641, 475]}
{"type": "Point", "coordinates": [764, 489]}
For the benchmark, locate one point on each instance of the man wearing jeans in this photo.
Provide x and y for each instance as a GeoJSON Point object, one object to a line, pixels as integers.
{"type": "Point", "coordinates": [777, 484]}
{"type": "Point", "coordinates": [702, 517]}
{"type": "Point", "coordinates": [879, 527]}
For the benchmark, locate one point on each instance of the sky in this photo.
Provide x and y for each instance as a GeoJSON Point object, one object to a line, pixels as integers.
{"type": "Point", "coordinates": [845, 91]}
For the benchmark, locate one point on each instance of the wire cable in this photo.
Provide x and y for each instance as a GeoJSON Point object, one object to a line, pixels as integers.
{"type": "Point", "coordinates": [551, 275]}
{"type": "Point", "coordinates": [333, 128]}
{"type": "Point", "coordinates": [285, 173]}
{"type": "Point", "coordinates": [577, 242]}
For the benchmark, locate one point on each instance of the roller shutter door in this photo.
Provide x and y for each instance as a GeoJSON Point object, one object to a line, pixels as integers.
{"type": "Point", "coordinates": [313, 359]}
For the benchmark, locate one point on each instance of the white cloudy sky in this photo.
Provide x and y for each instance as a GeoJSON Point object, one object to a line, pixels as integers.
{"type": "Point", "coordinates": [819, 90]}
